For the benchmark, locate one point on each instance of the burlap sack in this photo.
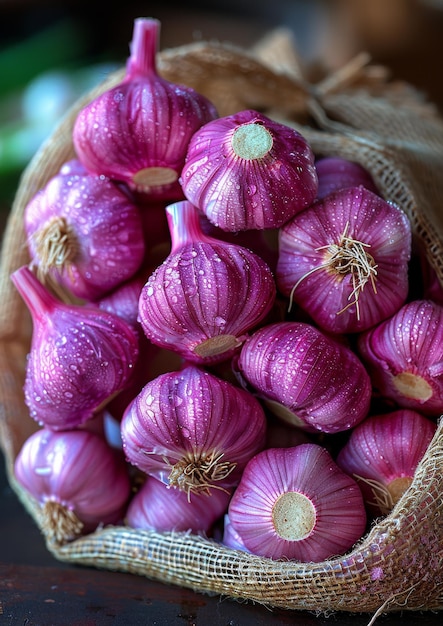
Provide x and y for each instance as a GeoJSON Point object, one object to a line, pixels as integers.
{"type": "Point", "coordinates": [359, 114]}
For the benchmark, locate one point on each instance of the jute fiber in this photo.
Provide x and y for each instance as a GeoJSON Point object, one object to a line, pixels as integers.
{"type": "Point", "coordinates": [357, 113]}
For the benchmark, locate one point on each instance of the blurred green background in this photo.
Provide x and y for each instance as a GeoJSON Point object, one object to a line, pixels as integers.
{"type": "Point", "coordinates": [51, 52]}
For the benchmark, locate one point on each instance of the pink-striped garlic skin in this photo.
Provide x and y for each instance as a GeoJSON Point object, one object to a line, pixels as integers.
{"type": "Point", "coordinates": [345, 260]}
{"type": "Point", "coordinates": [84, 232]}
{"type": "Point", "coordinates": [383, 453]}
{"type": "Point", "coordinates": [230, 537]}
{"type": "Point", "coordinates": [336, 173]}
{"type": "Point", "coordinates": [123, 300]}
{"type": "Point", "coordinates": [158, 507]}
{"type": "Point", "coordinates": [78, 480]}
{"type": "Point", "coordinates": [296, 503]}
{"type": "Point", "coordinates": [138, 131]}
{"type": "Point", "coordinates": [245, 171]}
{"type": "Point", "coordinates": [306, 377]}
{"type": "Point", "coordinates": [193, 430]}
{"type": "Point", "coordinates": [79, 356]}
{"type": "Point", "coordinates": [206, 295]}
{"type": "Point", "coordinates": [404, 356]}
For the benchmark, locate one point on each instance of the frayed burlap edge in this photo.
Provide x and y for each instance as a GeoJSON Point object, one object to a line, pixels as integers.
{"type": "Point", "coordinates": [398, 565]}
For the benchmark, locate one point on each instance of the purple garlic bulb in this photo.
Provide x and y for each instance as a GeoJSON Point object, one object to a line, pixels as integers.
{"type": "Point", "coordinates": [306, 377]}
{"type": "Point", "coordinates": [78, 481]}
{"type": "Point", "coordinates": [79, 357]}
{"type": "Point", "coordinates": [158, 507]}
{"type": "Point", "coordinates": [296, 503]}
{"type": "Point", "coordinates": [84, 233]}
{"type": "Point", "coordinates": [206, 295]}
{"type": "Point", "coordinates": [246, 171]}
{"type": "Point", "coordinates": [193, 430]}
{"type": "Point", "coordinates": [138, 131]}
{"type": "Point", "coordinates": [345, 260]}
{"type": "Point", "coordinates": [404, 356]}
{"type": "Point", "coordinates": [336, 173]}
{"type": "Point", "coordinates": [382, 454]}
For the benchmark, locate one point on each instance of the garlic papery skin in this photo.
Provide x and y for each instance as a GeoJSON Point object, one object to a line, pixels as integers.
{"type": "Point", "coordinates": [123, 300]}
{"type": "Point", "coordinates": [296, 503]}
{"type": "Point", "coordinates": [78, 480]}
{"type": "Point", "coordinates": [306, 377]}
{"type": "Point", "coordinates": [246, 171]}
{"type": "Point", "coordinates": [158, 507]}
{"type": "Point", "coordinates": [383, 453]}
{"type": "Point", "coordinates": [404, 356]}
{"type": "Point", "coordinates": [206, 295]}
{"type": "Point", "coordinates": [84, 233]}
{"type": "Point", "coordinates": [230, 537]}
{"type": "Point", "coordinates": [345, 260]}
{"type": "Point", "coordinates": [138, 131]}
{"type": "Point", "coordinates": [193, 430]}
{"type": "Point", "coordinates": [79, 356]}
{"type": "Point", "coordinates": [152, 360]}
{"type": "Point", "coordinates": [336, 173]}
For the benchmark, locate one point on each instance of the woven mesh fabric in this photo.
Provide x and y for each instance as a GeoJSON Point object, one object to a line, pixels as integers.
{"type": "Point", "coordinates": [358, 114]}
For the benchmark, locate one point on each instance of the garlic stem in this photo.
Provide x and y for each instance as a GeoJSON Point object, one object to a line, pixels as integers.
{"type": "Point", "coordinates": [184, 225]}
{"type": "Point", "coordinates": [143, 62]}
{"type": "Point", "coordinates": [143, 48]}
{"type": "Point", "coordinates": [38, 299]}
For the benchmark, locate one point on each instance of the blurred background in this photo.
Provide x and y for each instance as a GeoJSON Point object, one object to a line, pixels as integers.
{"type": "Point", "coordinates": [51, 51]}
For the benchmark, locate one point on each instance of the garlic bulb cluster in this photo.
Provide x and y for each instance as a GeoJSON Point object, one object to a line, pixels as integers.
{"type": "Point", "coordinates": [225, 338]}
